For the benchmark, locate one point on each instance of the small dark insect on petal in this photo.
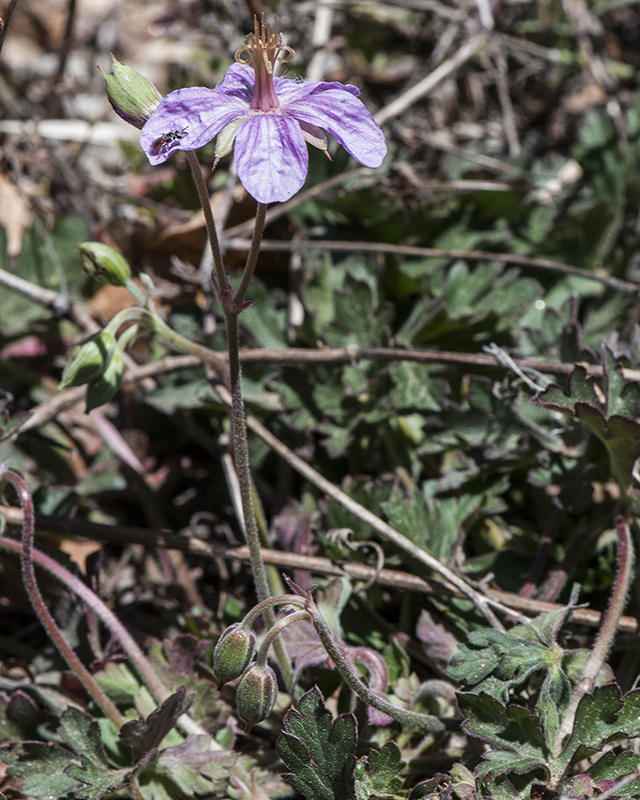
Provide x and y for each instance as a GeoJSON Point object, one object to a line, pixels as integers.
{"type": "Point", "coordinates": [166, 139]}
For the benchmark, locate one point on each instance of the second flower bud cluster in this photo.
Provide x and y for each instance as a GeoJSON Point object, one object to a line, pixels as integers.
{"type": "Point", "coordinates": [258, 688]}
{"type": "Point", "coordinates": [233, 656]}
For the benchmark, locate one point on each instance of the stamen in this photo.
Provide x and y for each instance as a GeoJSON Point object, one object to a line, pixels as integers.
{"type": "Point", "coordinates": [260, 50]}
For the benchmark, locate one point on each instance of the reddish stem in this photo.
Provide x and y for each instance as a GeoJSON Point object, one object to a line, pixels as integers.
{"type": "Point", "coordinates": [30, 583]}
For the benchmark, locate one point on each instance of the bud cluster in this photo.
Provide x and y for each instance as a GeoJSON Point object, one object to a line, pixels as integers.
{"type": "Point", "coordinates": [98, 361]}
{"type": "Point", "coordinates": [258, 687]}
{"type": "Point", "coordinates": [233, 656]}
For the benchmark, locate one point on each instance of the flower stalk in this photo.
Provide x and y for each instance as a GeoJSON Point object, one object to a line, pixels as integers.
{"type": "Point", "coordinates": [272, 602]}
{"type": "Point", "coordinates": [412, 719]}
{"type": "Point", "coordinates": [232, 306]}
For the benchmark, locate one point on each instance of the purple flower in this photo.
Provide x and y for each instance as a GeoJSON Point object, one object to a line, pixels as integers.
{"type": "Point", "coordinates": [269, 119]}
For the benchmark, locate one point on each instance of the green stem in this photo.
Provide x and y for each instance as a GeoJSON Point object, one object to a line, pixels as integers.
{"type": "Point", "coordinates": [273, 633]}
{"type": "Point", "coordinates": [232, 306]}
{"type": "Point", "coordinates": [271, 602]}
{"type": "Point", "coordinates": [241, 459]}
{"type": "Point", "coordinates": [205, 202]}
{"type": "Point", "coordinates": [187, 346]}
{"type": "Point", "coordinates": [252, 257]}
{"type": "Point", "coordinates": [424, 722]}
{"type": "Point", "coordinates": [39, 606]}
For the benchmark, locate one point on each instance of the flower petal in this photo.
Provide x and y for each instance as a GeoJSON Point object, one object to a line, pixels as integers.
{"type": "Point", "coordinates": [290, 90]}
{"type": "Point", "coordinates": [238, 81]}
{"type": "Point", "coordinates": [271, 157]}
{"type": "Point", "coordinates": [334, 107]}
{"type": "Point", "coordinates": [189, 118]}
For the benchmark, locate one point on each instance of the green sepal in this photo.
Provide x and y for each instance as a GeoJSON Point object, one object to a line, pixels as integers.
{"type": "Point", "coordinates": [90, 358]}
{"type": "Point", "coordinates": [103, 388]}
{"type": "Point", "coordinates": [104, 262]}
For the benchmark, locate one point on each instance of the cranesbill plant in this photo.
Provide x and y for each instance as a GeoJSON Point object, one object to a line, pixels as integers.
{"type": "Point", "coordinates": [270, 119]}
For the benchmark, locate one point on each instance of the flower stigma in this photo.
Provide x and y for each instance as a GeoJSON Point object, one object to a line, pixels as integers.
{"type": "Point", "coordinates": [261, 50]}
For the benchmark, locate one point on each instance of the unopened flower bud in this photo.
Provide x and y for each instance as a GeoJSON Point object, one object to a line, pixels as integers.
{"type": "Point", "coordinates": [89, 360]}
{"type": "Point", "coordinates": [256, 695]}
{"type": "Point", "coordinates": [104, 262]}
{"type": "Point", "coordinates": [132, 96]}
{"type": "Point", "coordinates": [233, 653]}
{"type": "Point", "coordinates": [102, 389]}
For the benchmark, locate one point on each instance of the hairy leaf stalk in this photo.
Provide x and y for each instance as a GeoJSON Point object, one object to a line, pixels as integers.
{"type": "Point", "coordinates": [606, 633]}
{"type": "Point", "coordinates": [424, 722]}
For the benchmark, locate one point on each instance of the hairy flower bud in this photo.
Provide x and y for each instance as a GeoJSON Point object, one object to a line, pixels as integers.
{"type": "Point", "coordinates": [102, 389]}
{"type": "Point", "coordinates": [233, 652]}
{"type": "Point", "coordinates": [104, 262]}
{"type": "Point", "coordinates": [132, 96]}
{"type": "Point", "coordinates": [256, 695]}
{"type": "Point", "coordinates": [89, 360]}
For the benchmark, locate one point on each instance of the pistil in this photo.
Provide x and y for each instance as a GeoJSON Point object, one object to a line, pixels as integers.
{"type": "Point", "coordinates": [261, 50]}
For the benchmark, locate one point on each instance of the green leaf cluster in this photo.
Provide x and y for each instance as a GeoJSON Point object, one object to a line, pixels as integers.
{"type": "Point", "coordinates": [319, 753]}
{"type": "Point", "coordinates": [518, 687]}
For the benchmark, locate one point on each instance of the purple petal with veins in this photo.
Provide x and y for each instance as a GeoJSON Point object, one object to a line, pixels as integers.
{"type": "Point", "coordinates": [192, 116]}
{"type": "Point", "coordinates": [270, 149]}
{"type": "Point", "coordinates": [271, 157]}
{"type": "Point", "coordinates": [337, 111]}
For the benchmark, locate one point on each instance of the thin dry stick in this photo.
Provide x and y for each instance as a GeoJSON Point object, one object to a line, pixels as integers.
{"type": "Point", "coordinates": [396, 579]}
{"type": "Point", "coordinates": [67, 41]}
{"type": "Point", "coordinates": [138, 658]}
{"type": "Point", "coordinates": [508, 114]}
{"type": "Point", "coordinates": [301, 356]}
{"type": "Point", "coordinates": [281, 209]}
{"type": "Point", "coordinates": [605, 637]}
{"type": "Point", "coordinates": [5, 22]}
{"type": "Point", "coordinates": [319, 39]}
{"type": "Point", "coordinates": [427, 84]}
{"type": "Point", "coordinates": [441, 140]}
{"type": "Point", "coordinates": [140, 662]}
{"type": "Point", "coordinates": [303, 245]}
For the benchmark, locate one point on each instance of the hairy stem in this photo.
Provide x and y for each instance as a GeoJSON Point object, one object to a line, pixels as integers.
{"type": "Point", "coordinates": [270, 602]}
{"type": "Point", "coordinates": [272, 635]}
{"type": "Point", "coordinates": [424, 722]}
{"type": "Point", "coordinates": [39, 606]}
{"type": "Point", "coordinates": [252, 258]}
{"type": "Point", "coordinates": [187, 346]}
{"type": "Point", "coordinates": [203, 196]}
{"type": "Point", "coordinates": [117, 629]}
{"type": "Point", "coordinates": [241, 458]}
{"type": "Point", "coordinates": [232, 306]}
{"type": "Point", "coordinates": [606, 634]}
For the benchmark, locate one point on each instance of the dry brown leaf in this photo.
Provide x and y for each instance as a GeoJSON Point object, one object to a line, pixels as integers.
{"type": "Point", "coordinates": [78, 552]}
